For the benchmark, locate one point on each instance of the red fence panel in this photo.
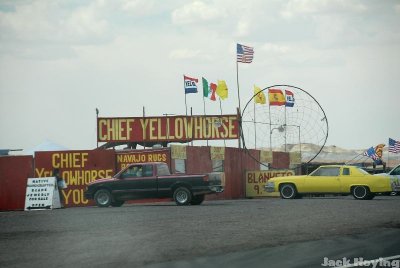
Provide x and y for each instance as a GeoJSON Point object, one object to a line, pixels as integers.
{"type": "Point", "coordinates": [14, 172]}
{"type": "Point", "coordinates": [78, 168]}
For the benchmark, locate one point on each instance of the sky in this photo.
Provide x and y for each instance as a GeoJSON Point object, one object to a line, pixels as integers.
{"type": "Point", "coordinates": [60, 60]}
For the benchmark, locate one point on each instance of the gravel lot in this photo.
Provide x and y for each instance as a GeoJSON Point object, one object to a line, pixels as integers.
{"type": "Point", "coordinates": [142, 234]}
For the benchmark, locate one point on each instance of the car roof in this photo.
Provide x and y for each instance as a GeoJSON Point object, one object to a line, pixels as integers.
{"type": "Point", "coordinates": [345, 166]}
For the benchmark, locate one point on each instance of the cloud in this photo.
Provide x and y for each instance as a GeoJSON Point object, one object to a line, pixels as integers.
{"type": "Point", "coordinates": [397, 8]}
{"type": "Point", "coordinates": [309, 7]}
{"type": "Point", "coordinates": [196, 11]}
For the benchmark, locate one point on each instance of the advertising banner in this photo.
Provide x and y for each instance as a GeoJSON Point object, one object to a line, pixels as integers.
{"type": "Point", "coordinates": [125, 158]}
{"type": "Point", "coordinates": [257, 179]}
{"type": "Point", "coordinates": [172, 129]}
{"type": "Point", "coordinates": [217, 153]}
{"type": "Point", "coordinates": [77, 168]}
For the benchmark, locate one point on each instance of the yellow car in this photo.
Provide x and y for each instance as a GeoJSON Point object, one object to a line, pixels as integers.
{"type": "Point", "coordinates": [333, 179]}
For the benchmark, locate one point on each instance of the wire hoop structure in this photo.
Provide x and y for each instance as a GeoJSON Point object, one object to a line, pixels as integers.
{"type": "Point", "coordinates": [303, 128]}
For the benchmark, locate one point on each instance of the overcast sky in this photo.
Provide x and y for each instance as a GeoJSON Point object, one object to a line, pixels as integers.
{"type": "Point", "coordinates": [59, 60]}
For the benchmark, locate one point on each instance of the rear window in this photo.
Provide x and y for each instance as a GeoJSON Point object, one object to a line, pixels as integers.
{"type": "Point", "coordinates": [346, 171]}
{"type": "Point", "coordinates": [163, 170]}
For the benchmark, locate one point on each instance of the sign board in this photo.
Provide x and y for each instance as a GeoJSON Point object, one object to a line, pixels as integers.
{"type": "Point", "coordinates": [217, 153]}
{"type": "Point", "coordinates": [257, 179]}
{"type": "Point", "coordinates": [178, 151]}
{"type": "Point", "coordinates": [125, 158]}
{"type": "Point", "coordinates": [77, 168]}
{"type": "Point", "coordinates": [41, 194]}
{"type": "Point", "coordinates": [172, 129]}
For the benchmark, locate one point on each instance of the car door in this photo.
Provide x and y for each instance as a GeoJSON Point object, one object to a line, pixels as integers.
{"type": "Point", "coordinates": [323, 180]}
{"type": "Point", "coordinates": [138, 182]}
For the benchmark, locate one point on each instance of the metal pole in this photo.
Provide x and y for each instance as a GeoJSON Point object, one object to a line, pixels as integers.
{"type": "Point", "coordinates": [285, 128]}
{"type": "Point", "coordinates": [97, 127]}
{"type": "Point", "coordinates": [255, 127]}
{"type": "Point", "coordinates": [240, 110]}
{"type": "Point", "coordinates": [270, 127]}
{"type": "Point", "coordinates": [204, 106]}
{"type": "Point", "coordinates": [220, 107]}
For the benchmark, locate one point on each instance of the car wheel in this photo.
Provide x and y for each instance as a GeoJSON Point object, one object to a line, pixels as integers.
{"type": "Point", "coordinates": [103, 198]}
{"type": "Point", "coordinates": [360, 192]}
{"type": "Point", "coordinates": [288, 191]}
{"type": "Point", "coordinates": [182, 196]}
{"type": "Point", "coordinates": [117, 203]}
{"type": "Point", "coordinates": [197, 200]}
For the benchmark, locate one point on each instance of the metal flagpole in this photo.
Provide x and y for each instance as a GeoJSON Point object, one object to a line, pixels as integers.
{"type": "Point", "coordinates": [184, 90]}
{"type": "Point", "coordinates": [240, 110]}
{"type": "Point", "coordinates": [255, 127]}
{"type": "Point", "coordinates": [204, 105]}
{"type": "Point", "coordinates": [220, 107]}
{"type": "Point", "coordinates": [285, 123]}
{"type": "Point", "coordinates": [270, 124]}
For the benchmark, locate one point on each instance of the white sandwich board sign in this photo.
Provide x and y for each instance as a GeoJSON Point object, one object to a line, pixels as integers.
{"type": "Point", "coordinates": [42, 193]}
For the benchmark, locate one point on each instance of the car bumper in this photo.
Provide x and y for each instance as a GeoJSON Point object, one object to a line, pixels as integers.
{"type": "Point", "coordinates": [212, 189]}
{"type": "Point", "coordinates": [270, 187]}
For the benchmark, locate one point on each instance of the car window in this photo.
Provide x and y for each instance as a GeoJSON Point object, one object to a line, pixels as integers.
{"type": "Point", "coordinates": [163, 170]}
{"type": "Point", "coordinates": [147, 170]}
{"type": "Point", "coordinates": [326, 171]}
{"type": "Point", "coordinates": [346, 171]}
{"type": "Point", "coordinates": [133, 172]}
{"type": "Point", "coordinates": [396, 171]}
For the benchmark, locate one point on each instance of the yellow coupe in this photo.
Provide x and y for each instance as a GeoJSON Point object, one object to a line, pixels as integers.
{"type": "Point", "coordinates": [332, 179]}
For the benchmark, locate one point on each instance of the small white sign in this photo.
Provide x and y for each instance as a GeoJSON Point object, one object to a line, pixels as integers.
{"type": "Point", "coordinates": [41, 194]}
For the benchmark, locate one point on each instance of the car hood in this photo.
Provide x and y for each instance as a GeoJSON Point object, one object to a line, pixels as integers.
{"type": "Point", "coordinates": [101, 181]}
{"type": "Point", "coordinates": [294, 178]}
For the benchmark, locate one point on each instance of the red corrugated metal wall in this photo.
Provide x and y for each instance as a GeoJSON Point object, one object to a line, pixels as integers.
{"type": "Point", "coordinates": [280, 160]}
{"type": "Point", "coordinates": [198, 160]}
{"type": "Point", "coordinates": [14, 172]}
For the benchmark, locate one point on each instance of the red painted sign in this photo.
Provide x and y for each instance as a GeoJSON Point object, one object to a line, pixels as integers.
{"type": "Point", "coordinates": [125, 158]}
{"type": "Point", "coordinates": [174, 128]}
{"type": "Point", "coordinates": [78, 168]}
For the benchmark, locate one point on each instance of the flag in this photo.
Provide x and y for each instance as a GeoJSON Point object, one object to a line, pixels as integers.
{"type": "Point", "coordinates": [371, 153]}
{"type": "Point", "coordinates": [190, 84]}
{"type": "Point", "coordinates": [260, 97]}
{"type": "Point", "coordinates": [394, 146]}
{"type": "Point", "coordinates": [379, 150]}
{"type": "Point", "coordinates": [245, 54]}
{"type": "Point", "coordinates": [206, 89]}
{"type": "Point", "coordinates": [289, 98]}
{"type": "Point", "coordinates": [222, 89]}
{"type": "Point", "coordinates": [213, 88]}
{"type": "Point", "coordinates": [276, 97]}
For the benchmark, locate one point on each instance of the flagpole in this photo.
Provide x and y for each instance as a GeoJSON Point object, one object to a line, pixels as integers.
{"type": "Point", "coordinates": [184, 90]}
{"type": "Point", "coordinates": [204, 106]}
{"type": "Point", "coordinates": [285, 124]}
{"type": "Point", "coordinates": [240, 110]}
{"type": "Point", "coordinates": [220, 107]}
{"type": "Point", "coordinates": [270, 125]}
{"type": "Point", "coordinates": [255, 128]}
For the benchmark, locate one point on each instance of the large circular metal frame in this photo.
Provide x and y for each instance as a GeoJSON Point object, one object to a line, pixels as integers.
{"type": "Point", "coordinates": [305, 123]}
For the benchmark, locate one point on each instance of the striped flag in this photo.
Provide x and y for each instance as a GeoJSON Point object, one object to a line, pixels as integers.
{"type": "Point", "coordinates": [245, 54]}
{"type": "Point", "coordinates": [190, 84]}
{"type": "Point", "coordinates": [394, 146]}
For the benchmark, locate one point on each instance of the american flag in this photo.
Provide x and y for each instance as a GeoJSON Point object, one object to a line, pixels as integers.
{"type": "Point", "coordinates": [394, 146]}
{"type": "Point", "coordinates": [245, 54]}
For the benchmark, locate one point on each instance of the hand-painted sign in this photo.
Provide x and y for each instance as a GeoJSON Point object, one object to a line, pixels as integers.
{"type": "Point", "coordinates": [42, 193]}
{"type": "Point", "coordinates": [256, 180]}
{"type": "Point", "coordinates": [174, 128]}
{"type": "Point", "coordinates": [125, 158]}
{"type": "Point", "coordinates": [78, 168]}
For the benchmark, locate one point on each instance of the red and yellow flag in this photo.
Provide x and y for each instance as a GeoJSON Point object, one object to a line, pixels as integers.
{"type": "Point", "coordinates": [276, 97]}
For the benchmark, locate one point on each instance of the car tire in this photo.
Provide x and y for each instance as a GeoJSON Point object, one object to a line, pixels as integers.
{"type": "Point", "coordinates": [197, 200]}
{"type": "Point", "coordinates": [288, 191]}
{"type": "Point", "coordinates": [103, 198]}
{"type": "Point", "coordinates": [361, 192]}
{"type": "Point", "coordinates": [182, 196]}
{"type": "Point", "coordinates": [117, 203]}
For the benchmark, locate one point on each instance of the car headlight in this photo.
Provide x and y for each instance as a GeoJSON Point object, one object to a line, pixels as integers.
{"type": "Point", "coordinates": [270, 184]}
